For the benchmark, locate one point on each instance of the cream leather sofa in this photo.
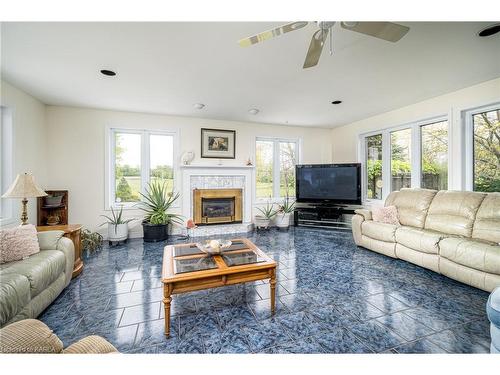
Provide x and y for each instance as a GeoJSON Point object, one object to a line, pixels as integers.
{"type": "Point", "coordinates": [455, 233]}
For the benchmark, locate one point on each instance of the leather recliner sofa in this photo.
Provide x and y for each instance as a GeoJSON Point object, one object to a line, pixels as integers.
{"type": "Point", "coordinates": [455, 233]}
{"type": "Point", "coordinates": [28, 286]}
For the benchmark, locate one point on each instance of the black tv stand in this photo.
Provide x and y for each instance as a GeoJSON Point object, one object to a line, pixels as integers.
{"type": "Point", "coordinates": [334, 216]}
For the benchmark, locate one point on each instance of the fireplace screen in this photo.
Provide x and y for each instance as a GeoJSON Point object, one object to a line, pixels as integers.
{"type": "Point", "coordinates": [217, 206]}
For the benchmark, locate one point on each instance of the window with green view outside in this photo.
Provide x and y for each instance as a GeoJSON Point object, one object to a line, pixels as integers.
{"type": "Point", "coordinates": [140, 158]}
{"type": "Point", "coordinates": [275, 161]}
{"type": "Point", "coordinates": [486, 155]}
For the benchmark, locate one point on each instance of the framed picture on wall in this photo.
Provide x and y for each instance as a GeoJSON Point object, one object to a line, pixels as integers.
{"type": "Point", "coordinates": [218, 143]}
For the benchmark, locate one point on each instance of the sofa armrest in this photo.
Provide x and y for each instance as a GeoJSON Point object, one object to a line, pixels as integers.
{"type": "Point", "coordinates": [49, 240]}
{"type": "Point", "coordinates": [29, 336]}
{"type": "Point", "coordinates": [367, 214]}
{"type": "Point", "coordinates": [91, 345]}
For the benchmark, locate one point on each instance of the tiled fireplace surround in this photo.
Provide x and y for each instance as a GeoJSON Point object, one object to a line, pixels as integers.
{"type": "Point", "coordinates": [218, 177]}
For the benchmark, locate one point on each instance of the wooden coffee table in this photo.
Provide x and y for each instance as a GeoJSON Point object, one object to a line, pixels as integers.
{"type": "Point", "coordinates": [186, 269]}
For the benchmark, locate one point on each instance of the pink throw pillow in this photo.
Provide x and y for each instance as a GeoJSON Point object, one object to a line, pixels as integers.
{"type": "Point", "coordinates": [18, 243]}
{"type": "Point", "coordinates": [388, 215]}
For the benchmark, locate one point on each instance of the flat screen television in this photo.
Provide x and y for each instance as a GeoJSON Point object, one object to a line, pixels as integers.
{"type": "Point", "coordinates": [328, 183]}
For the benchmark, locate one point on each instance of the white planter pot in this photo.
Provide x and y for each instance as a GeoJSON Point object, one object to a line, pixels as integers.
{"type": "Point", "coordinates": [282, 220]}
{"type": "Point", "coordinates": [262, 222]}
{"type": "Point", "coordinates": [118, 232]}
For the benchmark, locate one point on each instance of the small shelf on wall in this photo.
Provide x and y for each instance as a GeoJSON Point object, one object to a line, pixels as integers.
{"type": "Point", "coordinates": [53, 215]}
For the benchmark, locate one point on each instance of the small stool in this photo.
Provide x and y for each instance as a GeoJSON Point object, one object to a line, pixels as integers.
{"type": "Point", "coordinates": [493, 310]}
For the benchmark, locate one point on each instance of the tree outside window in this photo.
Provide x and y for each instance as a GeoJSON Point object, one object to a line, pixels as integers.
{"type": "Point", "coordinates": [487, 151]}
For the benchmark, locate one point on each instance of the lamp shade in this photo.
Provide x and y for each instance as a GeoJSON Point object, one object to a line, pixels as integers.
{"type": "Point", "coordinates": [24, 187]}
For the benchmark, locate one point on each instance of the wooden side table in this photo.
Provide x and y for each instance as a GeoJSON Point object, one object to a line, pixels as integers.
{"type": "Point", "coordinates": [73, 232]}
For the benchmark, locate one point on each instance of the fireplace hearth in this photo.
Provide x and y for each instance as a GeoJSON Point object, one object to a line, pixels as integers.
{"type": "Point", "coordinates": [217, 206]}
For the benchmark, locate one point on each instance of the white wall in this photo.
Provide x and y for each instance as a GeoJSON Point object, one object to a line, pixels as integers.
{"type": "Point", "coordinates": [76, 149]}
{"type": "Point", "coordinates": [345, 139]}
{"type": "Point", "coordinates": [29, 141]}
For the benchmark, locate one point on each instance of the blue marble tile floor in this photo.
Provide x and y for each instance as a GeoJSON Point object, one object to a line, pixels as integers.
{"type": "Point", "coordinates": [332, 297]}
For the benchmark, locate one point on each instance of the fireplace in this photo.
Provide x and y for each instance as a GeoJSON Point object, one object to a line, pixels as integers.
{"type": "Point", "coordinates": [217, 206]}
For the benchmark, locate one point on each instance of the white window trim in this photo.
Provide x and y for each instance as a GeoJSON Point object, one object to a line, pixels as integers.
{"type": "Point", "coordinates": [109, 169]}
{"type": "Point", "coordinates": [6, 163]}
{"type": "Point", "coordinates": [416, 153]}
{"type": "Point", "coordinates": [276, 172]}
{"type": "Point", "coordinates": [467, 116]}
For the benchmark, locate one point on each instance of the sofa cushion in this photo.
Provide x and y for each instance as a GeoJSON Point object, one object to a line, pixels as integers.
{"type": "Point", "coordinates": [388, 214]}
{"type": "Point", "coordinates": [14, 294]}
{"type": "Point", "coordinates": [418, 239]}
{"type": "Point", "coordinates": [454, 212]}
{"type": "Point", "coordinates": [40, 269]}
{"type": "Point", "coordinates": [487, 223]}
{"type": "Point", "coordinates": [480, 255]}
{"type": "Point", "coordinates": [379, 231]}
{"type": "Point", "coordinates": [18, 243]}
{"type": "Point", "coordinates": [412, 205]}
{"type": "Point", "coordinates": [29, 336]}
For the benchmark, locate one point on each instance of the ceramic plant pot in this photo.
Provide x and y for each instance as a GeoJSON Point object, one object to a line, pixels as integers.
{"type": "Point", "coordinates": [117, 232]}
{"type": "Point", "coordinates": [261, 222]}
{"type": "Point", "coordinates": [155, 232]}
{"type": "Point", "coordinates": [282, 220]}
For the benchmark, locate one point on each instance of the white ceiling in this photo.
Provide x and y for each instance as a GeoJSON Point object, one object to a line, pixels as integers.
{"type": "Point", "coordinates": [167, 67]}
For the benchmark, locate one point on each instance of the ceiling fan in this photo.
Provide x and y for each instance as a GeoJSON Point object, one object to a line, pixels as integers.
{"type": "Point", "coordinates": [389, 31]}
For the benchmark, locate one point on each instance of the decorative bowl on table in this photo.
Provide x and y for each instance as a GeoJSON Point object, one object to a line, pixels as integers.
{"type": "Point", "coordinates": [214, 247]}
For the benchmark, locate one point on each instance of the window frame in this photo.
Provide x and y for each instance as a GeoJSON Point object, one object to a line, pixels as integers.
{"type": "Point", "coordinates": [415, 152]}
{"type": "Point", "coordinates": [468, 121]}
{"type": "Point", "coordinates": [276, 165]}
{"type": "Point", "coordinates": [6, 163]}
{"type": "Point", "coordinates": [145, 163]}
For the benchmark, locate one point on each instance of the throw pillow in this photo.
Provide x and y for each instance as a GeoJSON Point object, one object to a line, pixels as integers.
{"type": "Point", "coordinates": [388, 215]}
{"type": "Point", "coordinates": [18, 243]}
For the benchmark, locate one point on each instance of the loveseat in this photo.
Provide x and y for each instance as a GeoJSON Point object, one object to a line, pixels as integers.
{"type": "Point", "coordinates": [28, 286]}
{"type": "Point", "coordinates": [33, 336]}
{"type": "Point", "coordinates": [455, 233]}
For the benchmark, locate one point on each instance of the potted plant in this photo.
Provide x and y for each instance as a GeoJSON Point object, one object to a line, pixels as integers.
{"type": "Point", "coordinates": [117, 226]}
{"type": "Point", "coordinates": [267, 213]}
{"type": "Point", "coordinates": [156, 202]}
{"type": "Point", "coordinates": [283, 214]}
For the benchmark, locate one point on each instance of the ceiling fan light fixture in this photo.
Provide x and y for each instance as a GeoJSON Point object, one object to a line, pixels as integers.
{"type": "Point", "coordinates": [199, 105]}
{"type": "Point", "coordinates": [349, 23]}
{"type": "Point", "coordinates": [490, 30]}
{"type": "Point", "coordinates": [253, 111]}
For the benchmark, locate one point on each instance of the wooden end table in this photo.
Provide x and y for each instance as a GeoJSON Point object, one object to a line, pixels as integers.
{"type": "Point", "coordinates": [73, 232]}
{"type": "Point", "coordinates": [186, 269]}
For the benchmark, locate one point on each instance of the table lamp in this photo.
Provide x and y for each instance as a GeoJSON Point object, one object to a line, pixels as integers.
{"type": "Point", "coordinates": [24, 187]}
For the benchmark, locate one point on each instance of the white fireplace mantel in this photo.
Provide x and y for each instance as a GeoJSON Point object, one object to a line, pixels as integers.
{"type": "Point", "coordinates": [217, 177]}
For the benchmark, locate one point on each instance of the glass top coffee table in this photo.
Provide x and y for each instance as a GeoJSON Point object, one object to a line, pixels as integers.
{"type": "Point", "coordinates": [186, 268]}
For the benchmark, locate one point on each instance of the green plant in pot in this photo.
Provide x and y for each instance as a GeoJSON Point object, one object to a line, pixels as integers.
{"type": "Point", "coordinates": [117, 225]}
{"type": "Point", "coordinates": [285, 210]}
{"type": "Point", "coordinates": [266, 215]}
{"type": "Point", "coordinates": [157, 200]}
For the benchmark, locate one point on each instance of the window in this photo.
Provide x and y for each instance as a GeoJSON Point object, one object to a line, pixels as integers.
{"type": "Point", "coordinates": [5, 163]}
{"type": "Point", "coordinates": [434, 160]}
{"type": "Point", "coordinates": [138, 158]}
{"type": "Point", "coordinates": [400, 159]}
{"type": "Point", "coordinates": [486, 150]}
{"type": "Point", "coordinates": [412, 155]}
{"type": "Point", "coordinates": [374, 185]}
{"type": "Point", "coordinates": [275, 161]}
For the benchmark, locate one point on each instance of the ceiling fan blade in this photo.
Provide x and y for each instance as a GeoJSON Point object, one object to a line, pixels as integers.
{"type": "Point", "coordinates": [315, 47]}
{"type": "Point", "coordinates": [292, 26]}
{"type": "Point", "coordinates": [389, 31]}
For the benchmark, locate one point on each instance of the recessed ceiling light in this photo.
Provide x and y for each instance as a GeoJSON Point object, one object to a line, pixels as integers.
{"type": "Point", "coordinates": [253, 111]}
{"type": "Point", "coordinates": [107, 72]}
{"type": "Point", "coordinates": [337, 102]}
{"type": "Point", "coordinates": [490, 30]}
{"type": "Point", "coordinates": [199, 105]}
